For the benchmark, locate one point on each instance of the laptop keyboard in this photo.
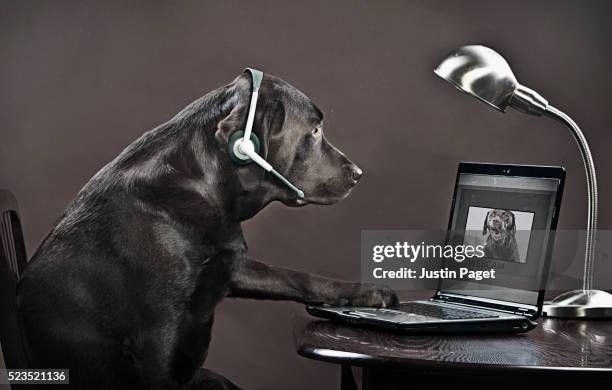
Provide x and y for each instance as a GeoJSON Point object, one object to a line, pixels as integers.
{"type": "Point", "coordinates": [439, 311]}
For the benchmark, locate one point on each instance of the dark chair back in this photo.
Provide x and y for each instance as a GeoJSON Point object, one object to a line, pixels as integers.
{"type": "Point", "coordinates": [12, 264]}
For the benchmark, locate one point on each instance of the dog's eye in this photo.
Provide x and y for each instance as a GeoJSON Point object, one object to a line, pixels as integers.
{"type": "Point", "coordinates": [316, 131]}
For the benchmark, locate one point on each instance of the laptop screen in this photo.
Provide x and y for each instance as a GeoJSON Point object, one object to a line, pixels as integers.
{"type": "Point", "coordinates": [510, 216]}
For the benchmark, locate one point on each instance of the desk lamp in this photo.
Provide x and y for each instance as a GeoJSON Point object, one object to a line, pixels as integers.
{"type": "Point", "coordinates": [483, 73]}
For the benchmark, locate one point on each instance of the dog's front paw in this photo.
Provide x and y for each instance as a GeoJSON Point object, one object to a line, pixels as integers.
{"type": "Point", "coordinates": [371, 295]}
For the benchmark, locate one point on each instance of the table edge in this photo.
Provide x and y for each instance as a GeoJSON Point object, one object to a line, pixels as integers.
{"type": "Point", "coordinates": [366, 360]}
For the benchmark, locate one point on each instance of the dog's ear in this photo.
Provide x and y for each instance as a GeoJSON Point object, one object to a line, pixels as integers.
{"type": "Point", "coordinates": [513, 224]}
{"type": "Point", "coordinates": [238, 96]}
{"type": "Point", "coordinates": [233, 122]}
{"type": "Point", "coordinates": [485, 227]}
{"type": "Point", "coordinates": [269, 119]}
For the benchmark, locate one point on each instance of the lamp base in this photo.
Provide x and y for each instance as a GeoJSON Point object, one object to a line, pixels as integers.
{"type": "Point", "coordinates": [580, 304]}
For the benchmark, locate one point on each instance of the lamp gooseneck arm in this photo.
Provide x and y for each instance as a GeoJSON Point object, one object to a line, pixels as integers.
{"type": "Point", "coordinates": [589, 167]}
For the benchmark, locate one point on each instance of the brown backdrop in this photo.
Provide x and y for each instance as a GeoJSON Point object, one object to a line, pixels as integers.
{"type": "Point", "coordinates": [81, 80]}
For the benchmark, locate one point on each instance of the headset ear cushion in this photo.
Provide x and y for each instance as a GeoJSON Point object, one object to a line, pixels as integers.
{"type": "Point", "coordinates": [230, 147]}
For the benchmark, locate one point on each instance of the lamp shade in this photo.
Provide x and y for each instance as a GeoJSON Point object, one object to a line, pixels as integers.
{"type": "Point", "coordinates": [480, 72]}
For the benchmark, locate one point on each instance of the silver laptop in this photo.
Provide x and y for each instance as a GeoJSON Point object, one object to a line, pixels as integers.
{"type": "Point", "coordinates": [512, 301]}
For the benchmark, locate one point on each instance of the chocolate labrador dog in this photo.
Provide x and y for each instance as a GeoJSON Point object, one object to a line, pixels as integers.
{"type": "Point", "coordinates": [499, 230]}
{"type": "Point", "coordinates": [123, 289]}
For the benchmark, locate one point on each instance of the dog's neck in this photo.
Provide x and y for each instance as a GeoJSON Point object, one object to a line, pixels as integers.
{"type": "Point", "coordinates": [246, 204]}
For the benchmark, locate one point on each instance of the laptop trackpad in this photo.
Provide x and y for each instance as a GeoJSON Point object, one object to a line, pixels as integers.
{"type": "Point", "coordinates": [388, 315]}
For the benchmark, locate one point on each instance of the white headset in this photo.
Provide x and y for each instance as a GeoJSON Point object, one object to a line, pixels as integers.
{"type": "Point", "coordinates": [243, 147]}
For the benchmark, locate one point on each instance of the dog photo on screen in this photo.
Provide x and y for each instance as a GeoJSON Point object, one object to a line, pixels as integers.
{"type": "Point", "coordinates": [505, 234]}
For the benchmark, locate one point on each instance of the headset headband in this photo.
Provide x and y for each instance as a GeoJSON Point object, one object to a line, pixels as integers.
{"type": "Point", "coordinates": [257, 76]}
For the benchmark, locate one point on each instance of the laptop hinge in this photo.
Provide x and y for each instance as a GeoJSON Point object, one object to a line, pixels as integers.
{"type": "Point", "coordinates": [491, 304]}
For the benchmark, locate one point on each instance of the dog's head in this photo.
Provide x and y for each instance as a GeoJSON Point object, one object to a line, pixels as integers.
{"type": "Point", "coordinates": [290, 129]}
{"type": "Point", "coordinates": [499, 224]}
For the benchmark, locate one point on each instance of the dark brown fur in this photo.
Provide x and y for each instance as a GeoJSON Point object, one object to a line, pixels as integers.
{"type": "Point", "coordinates": [123, 290]}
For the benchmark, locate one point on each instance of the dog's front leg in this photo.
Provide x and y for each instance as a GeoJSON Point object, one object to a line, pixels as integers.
{"type": "Point", "coordinates": [254, 279]}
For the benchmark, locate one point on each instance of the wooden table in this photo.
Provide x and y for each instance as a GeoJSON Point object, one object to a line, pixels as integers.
{"type": "Point", "coordinates": [556, 352]}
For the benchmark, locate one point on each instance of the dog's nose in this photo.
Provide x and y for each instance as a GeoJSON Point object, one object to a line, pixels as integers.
{"type": "Point", "coordinates": [356, 172]}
